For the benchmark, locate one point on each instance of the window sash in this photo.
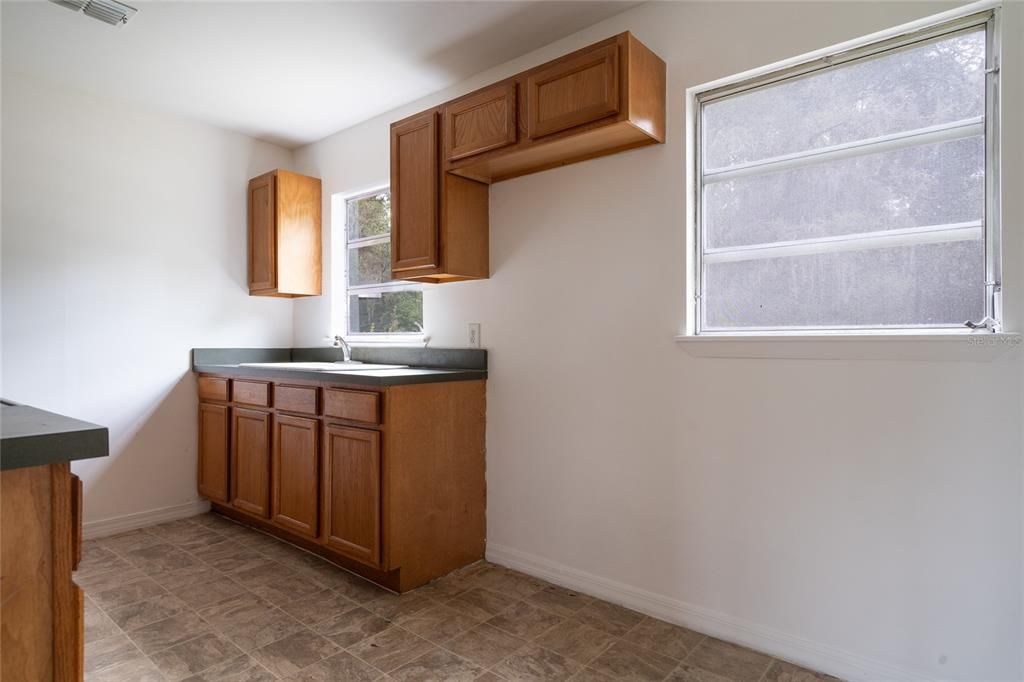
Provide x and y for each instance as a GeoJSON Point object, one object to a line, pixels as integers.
{"type": "Point", "coordinates": [988, 226]}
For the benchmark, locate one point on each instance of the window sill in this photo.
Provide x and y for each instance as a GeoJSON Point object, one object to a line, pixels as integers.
{"type": "Point", "coordinates": [415, 341]}
{"type": "Point", "coordinates": [982, 347]}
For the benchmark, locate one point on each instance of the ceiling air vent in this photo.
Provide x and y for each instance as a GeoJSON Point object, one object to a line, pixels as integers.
{"type": "Point", "coordinates": [108, 11]}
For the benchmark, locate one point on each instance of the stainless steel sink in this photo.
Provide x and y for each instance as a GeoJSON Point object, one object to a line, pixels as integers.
{"type": "Point", "coordinates": [321, 366]}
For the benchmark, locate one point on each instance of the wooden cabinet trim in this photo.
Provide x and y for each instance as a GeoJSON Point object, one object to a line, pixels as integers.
{"type": "Point", "coordinates": [604, 92]}
{"type": "Point", "coordinates": [262, 232]}
{"type": "Point", "coordinates": [417, 191]}
{"type": "Point", "coordinates": [490, 121]}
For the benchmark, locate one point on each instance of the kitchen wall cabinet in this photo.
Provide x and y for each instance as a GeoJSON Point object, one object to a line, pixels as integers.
{"type": "Point", "coordinates": [284, 250]}
{"type": "Point", "coordinates": [351, 498]}
{"type": "Point", "coordinates": [388, 483]}
{"type": "Point", "coordinates": [603, 99]}
{"type": "Point", "coordinates": [295, 474]}
{"type": "Point", "coordinates": [250, 460]}
{"type": "Point", "coordinates": [213, 451]}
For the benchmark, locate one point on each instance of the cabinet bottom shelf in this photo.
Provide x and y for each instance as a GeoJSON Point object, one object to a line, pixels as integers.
{"type": "Point", "coordinates": [390, 580]}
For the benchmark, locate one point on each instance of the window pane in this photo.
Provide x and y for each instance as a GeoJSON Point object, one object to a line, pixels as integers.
{"type": "Point", "coordinates": [925, 284]}
{"type": "Point", "coordinates": [934, 184]}
{"type": "Point", "coordinates": [369, 264]}
{"type": "Point", "coordinates": [934, 83]}
{"type": "Point", "coordinates": [369, 216]}
{"type": "Point", "coordinates": [389, 312]}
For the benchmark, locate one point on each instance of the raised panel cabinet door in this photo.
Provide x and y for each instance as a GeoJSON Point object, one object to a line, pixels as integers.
{"type": "Point", "coordinates": [295, 474]}
{"type": "Point", "coordinates": [352, 495]}
{"type": "Point", "coordinates": [480, 122]}
{"type": "Point", "coordinates": [250, 461]}
{"type": "Point", "coordinates": [213, 451]}
{"type": "Point", "coordinates": [578, 89]}
{"type": "Point", "coordinates": [262, 233]}
{"type": "Point", "coordinates": [414, 193]}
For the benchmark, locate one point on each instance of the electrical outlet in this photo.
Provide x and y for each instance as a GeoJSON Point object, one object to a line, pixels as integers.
{"type": "Point", "coordinates": [474, 334]}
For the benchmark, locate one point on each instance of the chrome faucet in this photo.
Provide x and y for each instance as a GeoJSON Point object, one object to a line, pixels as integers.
{"type": "Point", "coordinates": [346, 350]}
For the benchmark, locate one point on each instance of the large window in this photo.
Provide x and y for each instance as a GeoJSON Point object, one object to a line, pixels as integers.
{"type": "Point", "coordinates": [852, 192]}
{"type": "Point", "coordinates": [377, 304]}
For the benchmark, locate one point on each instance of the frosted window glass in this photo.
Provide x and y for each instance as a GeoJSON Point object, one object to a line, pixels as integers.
{"type": "Point", "coordinates": [934, 184]}
{"type": "Point", "coordinates": [934, 83]}
{"type": "Point", "coordinates": [925, 284]}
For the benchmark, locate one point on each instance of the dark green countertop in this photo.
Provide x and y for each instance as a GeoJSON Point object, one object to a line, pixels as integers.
{"type": "Point", "coordinates": [33, 437]}
{"type": "Point", "coordinates": [372, 377]}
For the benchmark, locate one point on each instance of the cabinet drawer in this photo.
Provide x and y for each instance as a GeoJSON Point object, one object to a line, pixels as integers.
{"type": "Point", "coordinates": [301, 399]}
{"type": "Point", "coordinates": [251, 393]}
{"type": "Point", "coordinates": [359, 406]}
{"type": "Point", "coordinates": [213, 388]}
{"type": "Point", "coordinates": [570, 92]}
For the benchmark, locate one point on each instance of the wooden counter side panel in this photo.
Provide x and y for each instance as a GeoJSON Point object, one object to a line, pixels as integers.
{"type": "Point", "coordinates": [26, 566]}
{"type": "Point", "coordinates": [434, 485]}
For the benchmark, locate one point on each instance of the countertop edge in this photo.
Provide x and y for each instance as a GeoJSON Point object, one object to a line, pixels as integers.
{"type": "Point", "coordinates": [440, 375]}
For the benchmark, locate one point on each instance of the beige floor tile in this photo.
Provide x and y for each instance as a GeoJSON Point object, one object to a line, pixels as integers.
{"type": "Point", "coordinates": [438, 665]}
{"type": "Point", "coordinates": [109, 651]}
{"type": "Point", "coordinates": [163, 634]}
{"type": "Point", "coordinates": [350, 627]}
{"type": "Point", "coordinates": [630, 663]}
{"type": "Point", "coordinates": [249, 622]}
{"type": "Point", "coordinates": [781, 671]}
{"type": "Point", "coordinates": [341, 666]}
{"type": "Point", "coordinates": [392, 606]}
{"type": "Point", "coordinates": [575, 640]}
{"type": "Point", "coordinates": [509, 582]}
{"type": "Point", "coordinates": [293, 653]}
{"type": "Point", "coordinates": [128, 591]}
{"type": "Point", "coordinates": [204, 593]}
{"type": "Point", "coordinates": [729, 660]}
{"type": "Point", "coordinates": [188, 536]}
{"type": "Point", "coordinates": [480, 603]}
{"type": "Point", "coordinates": [690, 673]}
{"type": "Point", "coordinates": [97, 624]}
{"type": "Point", "coordinates": [147, 611]}
{"type": "Point", "coordinates": [132, 540]}
{"type": "Point", "coordinates": [351, 587]}
{"type": "Point", "coordinates": [242, 668]}
{"type": "Point", "coordinates": [267, 572]}
{"type": "Point", "coordinates": [611, 618]}
{"type": "Point", "coordinates": [391, 648]}
{"type": "Point", "coordinates": [590, 675]}
{"type": "Point", "coordinates": [664, 638]}
{"type": "Point", "coordinates": [287, 591]}
{"type": "Point", "coordinates": [159, 558]}
{"type": "Point", "coordinates": [485, 645]}
{"type": "Point", "coordinates": [438, 623]}
{"type": "Point", "coordinates": [317, 607]}
{"type": "Point", "coordinates": [136, 670]}
{"type": "Point", "coordinates": [98, 559]}
{"type": "Point", "coordinates": [559, 601]}
{"type": "Point", "coordinates": [525, 620]}
{"type": "Point", "coordinates": [194, 656]}
{"type": "Point", "coordinates": [535, 663]}
{"type": "Point", "coordinates": [186, 577]}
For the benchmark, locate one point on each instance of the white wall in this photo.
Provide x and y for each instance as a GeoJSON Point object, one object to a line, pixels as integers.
{"type": "Point", "coordinates": [123, 247]}
{"type": "Point", "coordinates": [863, 516]}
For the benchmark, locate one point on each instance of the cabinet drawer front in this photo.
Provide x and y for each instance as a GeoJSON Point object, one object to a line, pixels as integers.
{"type": "Point", "coordinates": [301, 399]}
{"type": "Point", "coordinates": [213, 388]}
{"type": "Point", "coordinates": [573, 91]}
{"type": "Point", "coordinates": [251, 393]}
{"type": "Point", "coordinates": [359, 406]}
{"type": "Point", "coordinates": [480, 122]}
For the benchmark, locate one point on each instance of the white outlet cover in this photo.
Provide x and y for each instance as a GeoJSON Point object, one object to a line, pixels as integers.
{"type": "Point", "coordinates": [474, 334]}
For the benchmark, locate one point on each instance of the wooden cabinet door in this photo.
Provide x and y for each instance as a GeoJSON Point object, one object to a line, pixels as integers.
{"type": "Point", "coordinates": [351, 482]}
{"type": "Point", "coordinates": [480, 122]}
{"type": "Point", "coordinates": [414, 193]}
{"type": "Point", "coordinates": [262, 233]}
{"type": "Point", "coordinates": [213, 451]}
{"type": "Point", "coordinates": [578, 89]}
{"type": "Point", "coordinates": [295, 473]}
{"type": "Point", "coordinates": [250, 461]}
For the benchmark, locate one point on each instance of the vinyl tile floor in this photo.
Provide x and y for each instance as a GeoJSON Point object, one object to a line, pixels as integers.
{"type": "Point", "coordinates": [206, 599]}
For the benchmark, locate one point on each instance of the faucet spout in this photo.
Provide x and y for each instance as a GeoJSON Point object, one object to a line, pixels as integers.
{"type": "Point", "coordinates": [346, 350]}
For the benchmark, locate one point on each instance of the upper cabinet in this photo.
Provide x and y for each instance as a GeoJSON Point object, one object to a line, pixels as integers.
{"type": "Point", "coordinates": [603, 99]}
{"type": "Point", "coordinates": [284, 235]}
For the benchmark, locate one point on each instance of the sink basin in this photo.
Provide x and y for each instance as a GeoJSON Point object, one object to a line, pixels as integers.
{"type": "Point", "coordinates": [321, 366]}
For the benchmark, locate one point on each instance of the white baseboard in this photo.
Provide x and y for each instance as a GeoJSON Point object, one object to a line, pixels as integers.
{"type": "Point", "coordinates": [120, 524]}
{"type": "Point", "coordinates": [813, 655]}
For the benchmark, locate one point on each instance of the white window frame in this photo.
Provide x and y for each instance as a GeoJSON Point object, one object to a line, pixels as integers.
{"type": "Point", "coordinates": [962, 19]}
{"type": "Point", "coordinates": [341, 289]}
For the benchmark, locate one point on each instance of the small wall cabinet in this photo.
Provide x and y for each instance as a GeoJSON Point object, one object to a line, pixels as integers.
{"type": "Point", "coordinates": [603, 99]}
{"type": "Point", "coordinates": [387, 482]}
{"type": "Point", "coordinates": [285, 252]}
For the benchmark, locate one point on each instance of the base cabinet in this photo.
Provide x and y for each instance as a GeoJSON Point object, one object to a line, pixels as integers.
{"type": "Point", "coordinates": [250, 461]}
{"type": "Point", "coordinates": [295, 474]}
{"type": "Point", "coordinates": [352, 504]}
{"type": "Point", "coordinates": [386, 482]}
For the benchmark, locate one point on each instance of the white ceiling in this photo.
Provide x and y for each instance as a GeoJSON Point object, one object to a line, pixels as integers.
{"type": "Point", "coordinates": [287, 72]}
